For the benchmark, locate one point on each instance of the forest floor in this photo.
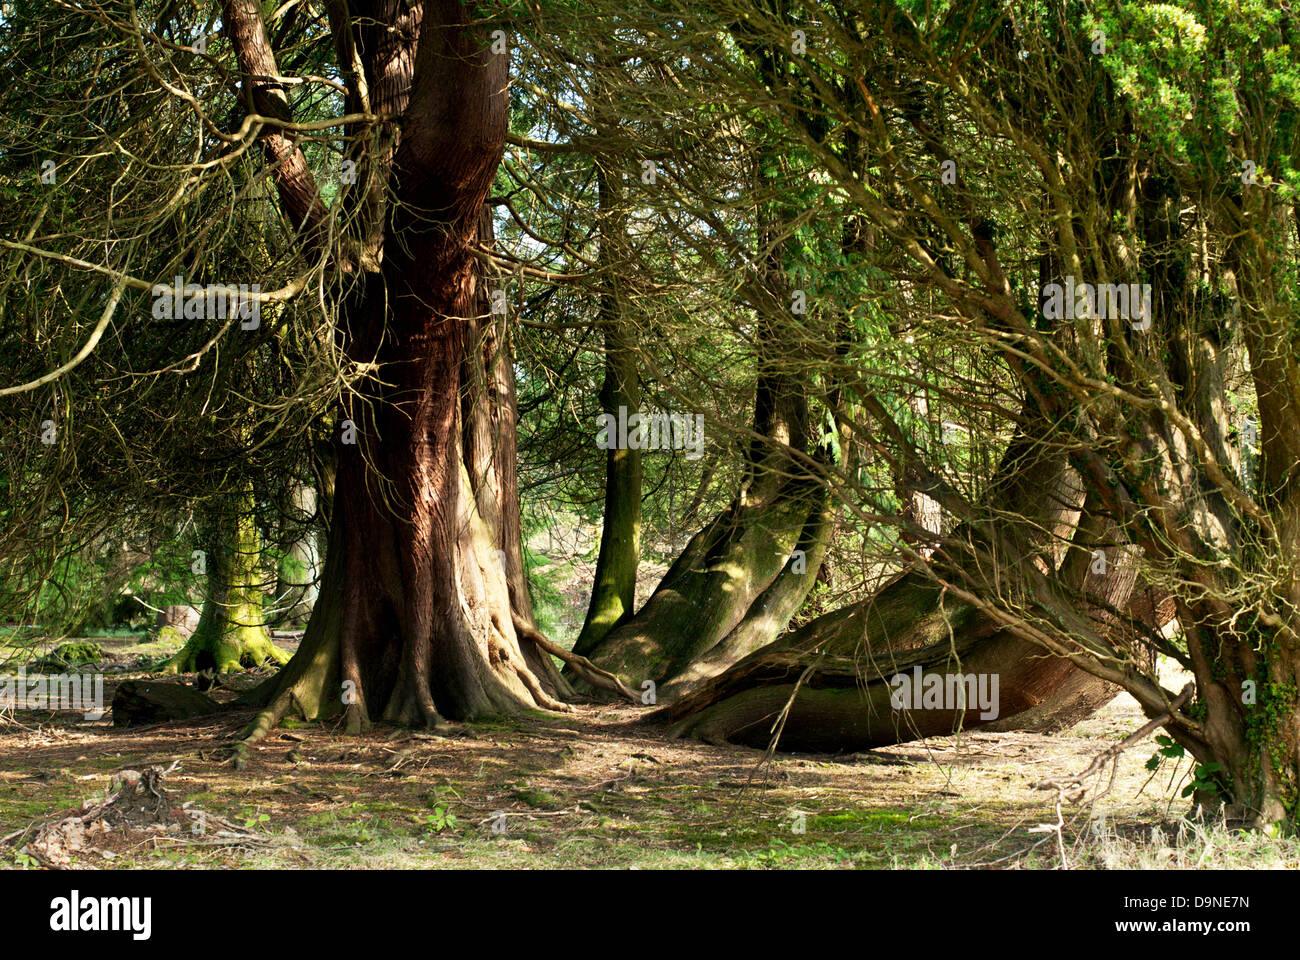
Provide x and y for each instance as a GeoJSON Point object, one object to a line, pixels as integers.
{"type": "Point", "coordinates": [594, 788]}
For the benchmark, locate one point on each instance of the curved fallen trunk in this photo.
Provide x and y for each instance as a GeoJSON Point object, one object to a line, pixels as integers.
{"type": "Point", "coordinates": [913, 662]}
{"type": "Point", "coordinates": [816, 701]}
{"type": "Point", "coordinates": [1079, 694]}
{"type": "Point", "coordinates": [843, 681]}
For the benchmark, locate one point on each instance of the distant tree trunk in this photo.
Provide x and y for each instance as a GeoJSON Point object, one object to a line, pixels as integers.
{"type": "Point", "coordinates": [613, 588]}
{"type": "Point", "coordinates": [232, 631]}
{"type": "Point", "coordinates": [416, 616]}
{"type": "Point", "coordinates": [740, 579]}
{"type": "Point", "coordinates": [297, 585]}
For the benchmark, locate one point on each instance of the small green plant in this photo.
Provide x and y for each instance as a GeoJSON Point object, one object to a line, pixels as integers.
{"type": "Point", "coordinates": [255, 821]}
{"type": "Point", "coordinates": [1205, 776]}
{"type": "Point", "coordinates": [25, 861]}
{"type": "Point", "coordinates": [439, 820]}
{"type": "Point", "coordinates": [1168, 750]}
{"type": "Point", "coordinates": [1204, 779]}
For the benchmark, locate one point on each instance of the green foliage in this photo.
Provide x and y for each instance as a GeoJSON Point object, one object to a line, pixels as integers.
{"type": "Point", "coordinates": [439, 820]}
{"type": "Point", "coordinates": [1206, 778]}
{"type": "Point", "coordinates": [256, 819]}
{"type": "Point", "coordinates": [25, 861]}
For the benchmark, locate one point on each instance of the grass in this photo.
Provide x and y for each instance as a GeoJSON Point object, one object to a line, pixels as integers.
{"type": "Point", "coordinates": [594, 790]}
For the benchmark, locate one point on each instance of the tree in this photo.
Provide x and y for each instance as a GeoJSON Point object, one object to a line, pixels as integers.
{"type": "Point", "coordinates": [1028, 267]}
{"type": "Point", "coordinates": [1128, 386]}
{"type": "Point", "coordinates": [231, 632]}
{"type": "Point", "coordinates": [417, 617]}
{"type": "Point", "coordinates": [130, 405]}
{"type": "Point", "coordinates": [613, 589]}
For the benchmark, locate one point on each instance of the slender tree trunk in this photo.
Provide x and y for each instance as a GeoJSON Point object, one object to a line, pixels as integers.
{"type": "Point", "coordinates": [613, 589]}
{"type": "Point", "coordinates": [297, 582]}
{"type": "Point", "coordinates": [231, 633]}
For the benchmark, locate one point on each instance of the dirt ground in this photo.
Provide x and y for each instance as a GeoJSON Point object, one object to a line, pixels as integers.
{"type": "Point", "coordinates": [594, 788]}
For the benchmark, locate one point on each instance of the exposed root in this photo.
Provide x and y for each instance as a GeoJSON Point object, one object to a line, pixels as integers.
{"type": "Point", "coordinates": [268, 719]}
{"type": "Point", "coordinates": [534, 687]}
{"type": "Point", "coordinates": [229, 653]}
{"type": "Point", "coordinates": [585, 669]}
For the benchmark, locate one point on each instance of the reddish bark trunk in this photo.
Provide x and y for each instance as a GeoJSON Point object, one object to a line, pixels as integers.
{"type": "Point", "coordinates": [415, 620]}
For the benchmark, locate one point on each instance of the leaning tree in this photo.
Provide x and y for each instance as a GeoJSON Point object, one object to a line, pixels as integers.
{"type": "Point", "coordinates": [1100, 201]}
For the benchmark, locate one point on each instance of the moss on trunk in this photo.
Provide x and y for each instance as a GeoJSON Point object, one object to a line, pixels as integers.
{"type": "Point", "coordinates": [613, 588]}
{"type": "Point", "coordinates": [231, 633]}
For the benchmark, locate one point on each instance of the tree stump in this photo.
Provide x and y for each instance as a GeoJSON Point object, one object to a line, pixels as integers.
{"type": "Point", "coordinates": [183, 619]}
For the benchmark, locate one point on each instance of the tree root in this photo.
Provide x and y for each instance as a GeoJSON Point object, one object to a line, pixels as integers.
{"type": "Point", "coordinates": [226, 654]}
{"type": "Point", "coordinates": [583, 667]}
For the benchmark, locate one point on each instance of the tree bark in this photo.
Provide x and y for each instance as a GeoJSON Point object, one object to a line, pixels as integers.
{"type": "Point", "coordinates": [231, 633]}
{"type": "Point", "coordinates": [828, 685]}
{"type": "Point", "coordinates": [416, 616]}
{"type": "Point", "coordinates": [740, 579]}
{"type": "Point", "coordinates": [613, 588]}
{"type": "Point", "coordinates": [297, 583]}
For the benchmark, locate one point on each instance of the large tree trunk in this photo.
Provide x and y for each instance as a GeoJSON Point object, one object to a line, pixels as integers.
{"type": "Point", "coordinates": [1247, 661]}
{"type": "Point", "coordinates": [827, 686]}
{"type": "Point", "coordinates": [415, 620]}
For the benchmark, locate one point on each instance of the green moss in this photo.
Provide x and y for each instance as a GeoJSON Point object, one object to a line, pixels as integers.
{"type": "Point", "coordinates": [170, 636]}
{"type": "Point", "coordinates": [540, 799]}
{"type": "Point", "coordinates": [232, 632]}
{"type": "Point", "coordinates": [383, 806]}
{"type": "Point", "coordinates": [17, 811]}
{"type": "Point", "coordinates": [68, 655]}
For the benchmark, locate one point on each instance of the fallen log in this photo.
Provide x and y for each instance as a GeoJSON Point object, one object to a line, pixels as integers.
{"type": "Point", "coordinates": [139, 702]}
